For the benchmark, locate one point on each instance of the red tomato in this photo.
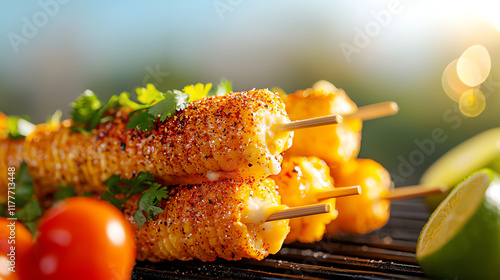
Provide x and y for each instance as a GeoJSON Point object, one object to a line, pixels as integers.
{"type": "Point", "coordinates": [16, 242]}
{"type": "Point", "coordinates": [83, 238]}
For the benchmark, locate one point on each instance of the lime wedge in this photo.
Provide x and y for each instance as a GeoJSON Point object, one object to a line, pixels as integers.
{"type": "Point", "coordinates": [461, 240]}
{"type": "Point", "coordinates": [480, 151]}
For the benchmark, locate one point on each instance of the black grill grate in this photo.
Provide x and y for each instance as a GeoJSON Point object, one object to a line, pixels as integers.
{"type": "Point", "coordinates": [388, 253]}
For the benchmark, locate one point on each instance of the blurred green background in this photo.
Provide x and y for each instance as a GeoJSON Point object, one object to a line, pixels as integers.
{"type": "Point", "coordinates": [51, 51]}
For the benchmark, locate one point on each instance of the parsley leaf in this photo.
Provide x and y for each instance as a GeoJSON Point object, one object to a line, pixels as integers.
{"type": "Point", "coordinates": [163, 105]}
{"type": "Point", "coordinates": [149, 94]}
{"type": "Point", "coordinates": [30, 214]}
{"type": "Point", "coordinates": [85, 109]}
{"type": "Point", "coordinates": [64, 192]}
{"type": "Point", "coordinates": [28, 208]}
{"type": "Point", "coordinates": [19, 126]}
{"type": "Point", "coordinates": [24, 186]}
{"type": "Point", "coordinates": [197, 91]}
{"type": "Point", "coordinates": [55, 118]}
{"type": "Point", "coordinates": [164, 108]}
{"type": "Point", "coordinates": [152, 194]}
{"type": "Point", "coordinates": [88, 110]}
{"type": "Point", "coordinates": [140, 120]}
{"type": "Point", "coordinates": [117, 186]}
{"type": "Point", "coordinates": [148, 203]}
{"type": "Point", "coordinates": [222, 88]}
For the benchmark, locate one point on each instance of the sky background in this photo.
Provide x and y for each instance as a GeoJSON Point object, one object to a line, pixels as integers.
{"type": "Point", "coordinates": [51, 51]}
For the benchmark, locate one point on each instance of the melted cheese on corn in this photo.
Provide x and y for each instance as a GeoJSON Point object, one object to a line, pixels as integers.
{"type": "Point", "coordinates": [299, 183]}
{"type": "Point", "coordinates": [254, 216]}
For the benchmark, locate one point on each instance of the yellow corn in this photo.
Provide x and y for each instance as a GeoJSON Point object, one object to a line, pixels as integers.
{"type": "Point", "coordinates": [214, 138]}
{"type": "Point", "coordinates": [360, 214]}
{"type": "Point", "coordinates": [336, 143]}
{"type": "Point", "coordinates": [10, 151]}
{"type": "Point", "coordinates": [208, 221]}
{"type": "Point", "coordinates": [300, 181]}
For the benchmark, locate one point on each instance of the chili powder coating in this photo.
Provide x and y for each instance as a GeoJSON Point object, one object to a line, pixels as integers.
{"type": "Point", "coordinates": [205, 222]}
{"type": "Point", "coordinates": [214, 138]}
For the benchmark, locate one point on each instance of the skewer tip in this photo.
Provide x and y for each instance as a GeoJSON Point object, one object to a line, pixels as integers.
{"type": "Point", "coordinates": [394, 106]}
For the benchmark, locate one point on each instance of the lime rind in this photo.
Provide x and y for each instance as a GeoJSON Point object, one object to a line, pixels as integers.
{"type": "Point", "coordinates": [461, 240]}
{"type": "Point", "coordinates": [480, 151]}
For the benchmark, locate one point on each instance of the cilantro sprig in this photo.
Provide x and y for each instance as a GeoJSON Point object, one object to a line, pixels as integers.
{"type": "Point", "coordinates": [88, 110]}
{"type": "Point", "coordinates": [152, 194]}
{"type": "Point", "coordinates": [153, 105]}
{"type": "Point", "coordinates": [148, 204]}
{"type": "Point", "coordinates": [28, 208]}
{"type": "Point", "coordinates": [18, 127]}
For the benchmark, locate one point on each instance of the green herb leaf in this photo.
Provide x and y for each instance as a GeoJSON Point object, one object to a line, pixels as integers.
{"type": "Point", "coordinates": [64, 192]}
{"type": "Point", "coordinates": [139, 183]}
{"type": "Point", "coordinates": [116, 186]}
{"type": "Point", "coordinates": [3, 209]}
{"type": "Point", "coordinates": [55, 118]}
{"type": "Point", "coordinates": [164, 108]}
{"type": "Point", "coordinates": [141, 120]}
{"type": "Point", "coordinates": [88, 110]}
{"type": "Point", "coordinates": [24, 186]}
{"type": "Point", "coordinates": [85, 107]}
{"type": "Point", "coordinates": [19, 126]}
{"type": "Point", "coordinates": [148, 204]}
{"type": "Point", "coordinates": [30, 214]}
{"type": "Point", "coordinates": [223, 88]}
{"type": "Point", "coordinates": [125, 101]}
{"type": "Point", "coordinates": [118, 203]}
{"type": "Point", "coordinates": [149, 94]}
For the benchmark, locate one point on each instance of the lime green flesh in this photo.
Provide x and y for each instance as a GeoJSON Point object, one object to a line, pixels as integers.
{"type": "Point", "coordinates": [480, 151]}
{"type": "Point", "coordinates": [461, 240]}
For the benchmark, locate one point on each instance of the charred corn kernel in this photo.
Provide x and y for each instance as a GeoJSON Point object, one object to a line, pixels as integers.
{"type": "Point", "coordinates": [210, 220]}
{"type": "Point", "coordinates": [336, 143]}
{"type": "Point", "coordinates": [214, 138]}
{"type": "Point", "coordinates": [366, 212]}
{"type": "Point", "coordinates": [300, 181]}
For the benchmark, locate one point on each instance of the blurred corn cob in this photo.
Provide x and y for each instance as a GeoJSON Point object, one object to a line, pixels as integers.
{"type": "Point", "coordinates": [334, 144]}
{"type": "Point", "coordinates": [367, 212]}
{"type": "Point", "coordinates": [217, 137]}
{"type": "Point", "coordinates": [210, 220]}
{"type": "Point", "coordinates": [11, 151]}
{"type": "Point", "coordinates": [300, 181]}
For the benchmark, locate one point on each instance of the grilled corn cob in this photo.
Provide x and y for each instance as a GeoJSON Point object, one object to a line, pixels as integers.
{"type": "Point", "coordinates": [299, 182]}
{"type": "Point", "coordinates": [217, 137]}
{"type": "Point", "coordinates": [10, 151]}
{"type": "Point", "coordinates": [336, 144]}
{"type": "Point", "coordinates": [363, 213]}
{"type": "Point", "coordinates": [10, 156]}
{"type": "Point", "coordinates": [211, 220]}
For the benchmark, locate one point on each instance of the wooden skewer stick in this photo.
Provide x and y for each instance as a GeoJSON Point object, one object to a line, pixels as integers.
{"type": "Point", "coordinates": [374, 111]}
{"type": "Point", "coordinates": [313, 122]}
{"type": "Point", "coordinates": [339, 192]}
{"type": "Point", "coordinates": [300, 211]}
{"type": "Point", "coordinates": [413, 192]}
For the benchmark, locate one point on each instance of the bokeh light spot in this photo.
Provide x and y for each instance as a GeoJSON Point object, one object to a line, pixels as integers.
{"type": "Point", "coordinates": [472, 103]}
{"type": "Point", "coordinates": [452, 84]}
{"type": "Point", "coordinates": [474, 65]}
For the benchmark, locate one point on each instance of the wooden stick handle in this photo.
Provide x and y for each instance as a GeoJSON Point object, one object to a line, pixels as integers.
{"type": "Point", "coordinates": [413, 192]}
{"type": "Point", "coordinates": [374, 111]}
{"type": "Point", "coordinates": [326, 120]}
{"type": "Point", "coordinates": [300, 211]}
{"type": "Point", "coordinates": [339, 192]}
